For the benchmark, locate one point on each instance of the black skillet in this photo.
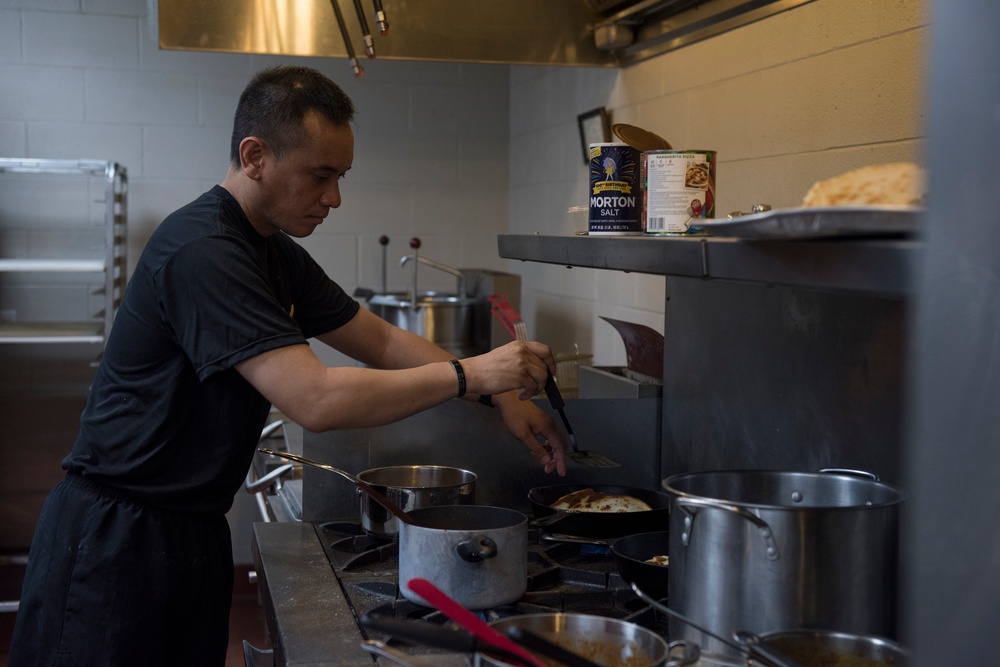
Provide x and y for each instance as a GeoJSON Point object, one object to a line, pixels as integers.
{"type": "Point", "coordinates": [596, 524]}
{"type": "Point", "coordinates": [631, 553]}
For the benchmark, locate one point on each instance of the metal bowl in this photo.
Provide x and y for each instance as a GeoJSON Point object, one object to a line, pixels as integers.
{"type": "Point", "coordinates": [835, 649]}
{"type": "Point", "coordinates": [606, 641]}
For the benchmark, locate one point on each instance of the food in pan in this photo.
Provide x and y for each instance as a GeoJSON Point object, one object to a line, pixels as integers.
{"type": "Point", "coordinates": [608, 652]}
{"type": "Point", "coordinates": [588, 500]}
{"type": "Point", "coordinates": [888, 184]}
{"type": "Point", "coordinates": [659, 559]}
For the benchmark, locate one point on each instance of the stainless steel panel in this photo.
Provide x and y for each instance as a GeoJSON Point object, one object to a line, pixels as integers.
{"type": "Point", "coordinates": [954, 581]}
{"type": "Point", "coordinates": [782, 378]}
{"type": "Point", "coordinates": [553, 32]}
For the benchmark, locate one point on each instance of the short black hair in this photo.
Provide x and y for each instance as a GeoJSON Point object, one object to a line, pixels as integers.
{"type": "Point", "coordinates": [276, 100]}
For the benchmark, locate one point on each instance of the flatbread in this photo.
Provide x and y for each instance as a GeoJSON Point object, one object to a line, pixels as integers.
{"type": "Point", "coordinates": [887, 184]}
{"type": "Point", "coordinates": [588, 500]}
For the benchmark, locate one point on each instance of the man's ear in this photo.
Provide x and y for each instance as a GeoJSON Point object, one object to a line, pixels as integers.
{"type": "Point", "coordinates": [252, 157]}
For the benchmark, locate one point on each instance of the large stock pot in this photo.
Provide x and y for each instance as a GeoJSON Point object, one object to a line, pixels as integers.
{"type": "Point", "coordinates": [760, 551]}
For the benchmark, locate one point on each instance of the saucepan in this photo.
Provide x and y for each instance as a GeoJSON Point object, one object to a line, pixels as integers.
{"type": "Point", "coordinates": [412, 487]}
{"type": "Point", "coordinates": [832, 649]}
{"type": "Point", "coordinates": [377, 496]}
{"type": "Point", "coordinates": [389, 493]}
{"type": "Point", "coordinates": [608, 642]}
{"type": "Point", "coordinates": [596, 524]}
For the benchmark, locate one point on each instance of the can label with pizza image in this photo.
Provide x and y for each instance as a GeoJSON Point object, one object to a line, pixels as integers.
{"type": "Point", "coordinates": [678, 190]}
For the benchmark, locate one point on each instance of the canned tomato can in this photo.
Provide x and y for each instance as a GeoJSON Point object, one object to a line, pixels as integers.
{"type": "Point", "coordinates": [615, 195]}
{"type": "Point", "coordinates": [678, 190]}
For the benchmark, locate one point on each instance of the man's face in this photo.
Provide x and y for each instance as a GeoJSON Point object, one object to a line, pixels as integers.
{"type": "Point", "coordinates": [298, 190]}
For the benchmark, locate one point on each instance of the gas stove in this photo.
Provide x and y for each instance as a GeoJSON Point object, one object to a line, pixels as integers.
{"type": "Point", "coordinates": [562, 577]}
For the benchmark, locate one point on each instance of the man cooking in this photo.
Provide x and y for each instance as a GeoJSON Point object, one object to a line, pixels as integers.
{"type": "Point", "coordinates": [131, 562]}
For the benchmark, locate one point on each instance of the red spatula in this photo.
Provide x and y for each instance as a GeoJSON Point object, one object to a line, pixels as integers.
{"type": "Point", "coordinates": [465, 618]}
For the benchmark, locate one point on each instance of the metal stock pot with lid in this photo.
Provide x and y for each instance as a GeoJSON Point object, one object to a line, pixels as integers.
{"type": "Point", "coordinates": [760, 551]}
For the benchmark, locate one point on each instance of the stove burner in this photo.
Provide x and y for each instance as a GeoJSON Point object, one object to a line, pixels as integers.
{"type": "Point", "coordinates": [365, 548]}
{"type": "Point", "coordinates": [563, 577]}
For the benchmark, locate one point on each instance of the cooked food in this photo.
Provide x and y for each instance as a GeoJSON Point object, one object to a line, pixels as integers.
{"type": "Point", "coordinates": [659, 559]}
{"type": "Point", "coordinates": [588, 500]}
{"type": "Point", "coordinates": [888, 184]}
{"type": "Point", "coordinates": [696, 176]}
{"type": "Point", "coordinates": [611, 652]}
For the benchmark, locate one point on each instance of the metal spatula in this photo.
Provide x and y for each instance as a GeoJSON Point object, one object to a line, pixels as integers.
{"type": "Point", "coordinates": [583, 457]}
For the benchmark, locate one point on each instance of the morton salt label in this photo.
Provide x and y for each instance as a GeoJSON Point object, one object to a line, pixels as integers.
{"type": "Point", "coordinates": [678, 189]}
{"type": "Point", "coordinates": [615, 199]}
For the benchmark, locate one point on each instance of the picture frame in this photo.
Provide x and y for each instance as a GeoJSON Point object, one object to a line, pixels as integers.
{"type": "Point", "coordinates": [595, 128]}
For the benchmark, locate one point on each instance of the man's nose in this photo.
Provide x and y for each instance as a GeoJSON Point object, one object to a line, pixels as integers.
{"type": "Point", "coordinates": [331, 196]}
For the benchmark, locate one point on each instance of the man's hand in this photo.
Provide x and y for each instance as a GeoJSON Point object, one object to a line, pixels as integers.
{"type": "Point", "coordinates": [527, 422]}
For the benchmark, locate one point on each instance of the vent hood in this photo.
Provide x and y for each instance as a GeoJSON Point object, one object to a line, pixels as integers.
{"type": "Point", "coordinates": [609, 33]}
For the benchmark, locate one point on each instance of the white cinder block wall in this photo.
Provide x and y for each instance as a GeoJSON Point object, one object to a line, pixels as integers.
{"type": "Point", "coordinates": [85, 79]}
{"type": "Point", "coordinates": [798, 97]}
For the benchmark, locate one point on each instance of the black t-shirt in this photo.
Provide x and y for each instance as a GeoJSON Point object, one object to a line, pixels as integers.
{"type": "Point", "coordinates": [168, 420]}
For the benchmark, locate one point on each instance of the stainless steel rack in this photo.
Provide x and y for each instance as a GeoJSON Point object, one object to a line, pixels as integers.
{"type": "Point", "coordinates": [875, 266]}
{"type": "Point", "coordinates": [52, 243]}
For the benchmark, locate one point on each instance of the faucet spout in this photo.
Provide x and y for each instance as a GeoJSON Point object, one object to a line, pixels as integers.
{"type": "Point", "coordinates": [440, 267]}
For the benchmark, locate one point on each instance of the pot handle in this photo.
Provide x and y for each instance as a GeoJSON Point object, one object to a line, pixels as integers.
{"type": "Point", "coordinates": [476, 549]}
{"type": "Point", "coordinates": [688, 506]}
{"type": "Point", "coordinates": [850, 471]}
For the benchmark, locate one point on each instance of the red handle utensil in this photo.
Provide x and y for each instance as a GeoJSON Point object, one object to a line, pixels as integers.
{"type": "Point", "coordinates": [465, 618]}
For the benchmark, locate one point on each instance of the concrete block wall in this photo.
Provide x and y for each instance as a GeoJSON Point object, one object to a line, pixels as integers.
{"type": "Point", "coordinates": [801, 96]}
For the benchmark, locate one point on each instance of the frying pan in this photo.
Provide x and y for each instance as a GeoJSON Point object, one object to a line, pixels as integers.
{"type": "Point", "coordinates": [596, 524]}
{"type": "Point", "coordinates": [631, 553]}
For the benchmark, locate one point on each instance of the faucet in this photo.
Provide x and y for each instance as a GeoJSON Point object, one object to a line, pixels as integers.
{"type": "Point", "coordinates": [439, 266]}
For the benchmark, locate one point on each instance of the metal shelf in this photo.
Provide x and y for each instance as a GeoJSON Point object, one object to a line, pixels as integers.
{"type": "Point", "coordinates": [51, 332]}
{"type": "Point", "coordinates": [52, 265]}
{"type": "Point", "coordinates": [870, 266]}
{"type": "Point", "coordinates": [100, 182]}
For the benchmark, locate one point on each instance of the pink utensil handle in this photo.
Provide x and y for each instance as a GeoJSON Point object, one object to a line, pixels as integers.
{"type": "Point", "coordinates": [456, 612]}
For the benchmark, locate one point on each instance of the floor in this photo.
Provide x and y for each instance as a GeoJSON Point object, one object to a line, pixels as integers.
{"type": "Point", "coordinates": [246, 620]}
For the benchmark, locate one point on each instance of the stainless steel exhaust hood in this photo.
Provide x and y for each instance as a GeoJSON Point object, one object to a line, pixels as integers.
{"type": "Point", "coordinates": [608, 33]}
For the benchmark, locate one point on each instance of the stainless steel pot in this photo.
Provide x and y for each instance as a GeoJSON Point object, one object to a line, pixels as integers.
{"type": "Point", "coordinates": [447, 320]}
{"type": "Point", "coordinates": [412, 487]}
{"type": "Point", "coordinates": [762, 550]}
{"type": "Point", "coordinates": [476, 554]}
{"type": "Point", "coordinates": [605, 641]}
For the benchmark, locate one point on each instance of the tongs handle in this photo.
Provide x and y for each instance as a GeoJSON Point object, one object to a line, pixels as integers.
{"type": "Point", "coordinates": [554, 396]}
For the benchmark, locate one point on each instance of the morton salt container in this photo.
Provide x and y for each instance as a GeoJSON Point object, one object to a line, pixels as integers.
{"type": "Point", "coordinates": [678, 190]}
{"type": "Point", "coordinates": [615, 198]}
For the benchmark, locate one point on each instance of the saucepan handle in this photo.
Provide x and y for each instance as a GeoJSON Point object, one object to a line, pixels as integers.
{"type": "Point", "coordinates": [689, 507]}
{"type": "Point", "coordinates": [476, 549]}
